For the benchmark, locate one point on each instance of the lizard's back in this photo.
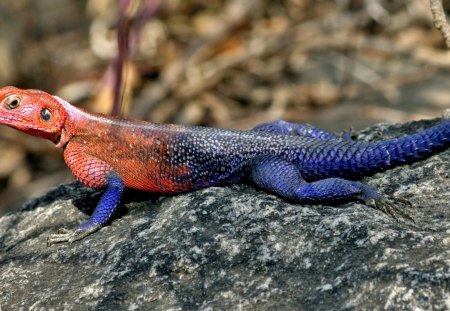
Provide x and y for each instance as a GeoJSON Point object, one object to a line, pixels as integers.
{"type": "Point", "coordinates": [173, 158]}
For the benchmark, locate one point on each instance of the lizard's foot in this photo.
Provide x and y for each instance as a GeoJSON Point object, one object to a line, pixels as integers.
{"type": "Point", "coordinates": [392, 206]}
{"type": "Point", "coordinates": [65, 235]}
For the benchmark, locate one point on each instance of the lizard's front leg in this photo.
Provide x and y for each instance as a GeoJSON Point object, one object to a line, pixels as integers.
{"type": "Point", "coordinates": [102, 213]}
{"type": "Point", "coordinates": [92, 172]}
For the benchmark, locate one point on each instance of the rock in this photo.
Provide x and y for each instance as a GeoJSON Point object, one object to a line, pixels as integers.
{"type": "Point", "coordinates": [236, 248]}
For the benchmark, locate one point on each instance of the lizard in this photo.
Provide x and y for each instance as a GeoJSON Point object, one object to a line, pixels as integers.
{"type": "Point", "coordinates": [297, 162]}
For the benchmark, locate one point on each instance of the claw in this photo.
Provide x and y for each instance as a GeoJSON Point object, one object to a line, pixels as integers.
{"type": "Point", "coordinates": [403, 201]}
{"type": "Point", "coordinates": [65, 235]}
{"type": "Point", "coordinates": [390, 206]}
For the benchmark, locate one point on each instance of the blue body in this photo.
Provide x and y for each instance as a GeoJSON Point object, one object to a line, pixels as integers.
{"type": "Point", "coordinates": [297, 162]}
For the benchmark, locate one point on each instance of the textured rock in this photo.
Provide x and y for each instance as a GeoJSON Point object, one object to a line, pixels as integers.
{"type": "Point", "coordinates": [236, 248]}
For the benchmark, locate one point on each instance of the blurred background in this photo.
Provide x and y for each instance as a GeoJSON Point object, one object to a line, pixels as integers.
{"type": "Point", "coordinates": [336, 64]}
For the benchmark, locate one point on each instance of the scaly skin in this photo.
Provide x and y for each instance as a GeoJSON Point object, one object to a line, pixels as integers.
{"type": "Point", "coordinates": [297, 162]}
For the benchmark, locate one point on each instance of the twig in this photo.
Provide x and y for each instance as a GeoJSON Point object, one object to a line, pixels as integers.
{"type": "Point", "coordinates": [439, 20]}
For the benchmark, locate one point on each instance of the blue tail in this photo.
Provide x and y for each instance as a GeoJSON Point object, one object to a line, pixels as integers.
{"type": "Point", "coordinates": [414, 147]}
{"type": "Point", "coordinates": [353, 160]}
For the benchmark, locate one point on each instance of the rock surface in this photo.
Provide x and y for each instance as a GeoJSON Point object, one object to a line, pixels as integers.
{"type": "Point", "coordinates": [236, 248]}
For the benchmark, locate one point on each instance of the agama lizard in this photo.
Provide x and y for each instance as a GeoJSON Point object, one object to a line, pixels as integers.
{"type": "Point", "coordinates": [297, 162]}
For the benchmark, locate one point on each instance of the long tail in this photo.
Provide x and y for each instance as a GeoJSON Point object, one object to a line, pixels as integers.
{"type": "Point", "coordinates": [414, 147]}
{"type": "Point", "coordinates": [353, 160]}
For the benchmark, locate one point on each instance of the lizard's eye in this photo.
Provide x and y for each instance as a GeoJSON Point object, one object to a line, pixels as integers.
{"type": "Point", "coordinates": [12, 102]}
{"type": "Point", "coordinates": [46, 114]}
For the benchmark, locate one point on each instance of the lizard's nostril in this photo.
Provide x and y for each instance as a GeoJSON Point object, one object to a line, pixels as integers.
{"type": "Point", "coordinates": [12, 102]}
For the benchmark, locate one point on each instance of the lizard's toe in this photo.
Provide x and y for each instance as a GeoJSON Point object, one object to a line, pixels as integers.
{"type": "Point", "coordinates": [393, 207]}
{"type": "Point", "coordinates": [66, 235]}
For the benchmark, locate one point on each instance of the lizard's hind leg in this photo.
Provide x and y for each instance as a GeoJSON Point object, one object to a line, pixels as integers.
{"type": "Point", "coordinates": [297, 129]}
{"type": "Point", "coordinates": [276, 175]}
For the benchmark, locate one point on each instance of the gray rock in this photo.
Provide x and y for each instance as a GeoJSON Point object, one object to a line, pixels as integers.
{"type": "Point", "coordinates": [236, 248]}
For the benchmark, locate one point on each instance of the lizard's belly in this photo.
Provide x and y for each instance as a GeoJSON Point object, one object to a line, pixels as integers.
{"type": "Point", "coordinates": [160, 178]}
{"type": "Point", "coordinates": [154, 177]}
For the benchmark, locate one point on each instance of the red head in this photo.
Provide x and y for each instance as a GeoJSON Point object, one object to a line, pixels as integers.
{"type": "Point", "coordinates": [33, 112]}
